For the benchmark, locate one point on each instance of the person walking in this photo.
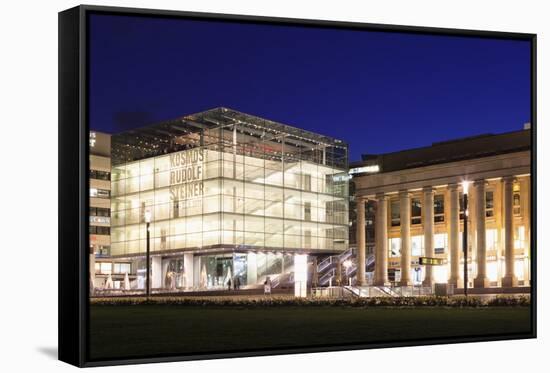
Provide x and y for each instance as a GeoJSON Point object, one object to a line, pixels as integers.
{"type": "Point", "coordinates": [229, 285]}
{"type": "Point", "coordinates": [267, 286]}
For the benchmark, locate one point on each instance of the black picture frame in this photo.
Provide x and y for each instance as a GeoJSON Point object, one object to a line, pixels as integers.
{"type": "Point", "coordinates": [73, 179]}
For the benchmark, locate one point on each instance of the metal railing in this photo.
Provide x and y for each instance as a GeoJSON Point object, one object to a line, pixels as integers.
{"type": "Point", "coordinates": [325, 279]}
{"type": "Point", "coordinates": [373, 291]}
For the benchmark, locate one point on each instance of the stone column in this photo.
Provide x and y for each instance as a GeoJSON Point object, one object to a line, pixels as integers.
{"type": "Point", "coordinates": [499, 220]}
{"type": "Point", "coordinates": [188, 270]}
{"type": "Point", "coordinates": [252, 269]}
{"type": "Point", "coordinates": [454, 238]}
{"type": "Point", "coordinates": [405, 225]}
{"type": "Point", "coordinates": [361, 242]}
{"type": "Point", "coordinates": [428, 207]}
{"type": "Point", "coordinates": [481, 280]}
{"type": "Point", "coordinates": [525, 190]}
{"type": "Point", "coordinates": [509, 279]}
{"type": "Point", "coordinates": [381, 252]}
{"type": "Point", "coordinates": [156, 272]}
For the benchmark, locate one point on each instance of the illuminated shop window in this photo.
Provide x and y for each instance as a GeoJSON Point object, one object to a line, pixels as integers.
{"type": "Point", "coordinates": [491, 237]}
{"type": "Point", "coordinates": [492, 271]}
{"type": "Point", "coordinates": [519, 269]}
{"type": "Point", "coordinates": [441, 274]}
{"type": "Point", "coordinates": [417, 245]}
{"type": "Point", "coordinates": [395, 247]}
{"type": "Point", "coordinates": [440, 243]}
{"type": "Point", "coordinates": [519, 237]}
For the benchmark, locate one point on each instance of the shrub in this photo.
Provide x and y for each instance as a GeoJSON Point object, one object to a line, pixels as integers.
{"type": "Point", "coordinates": [282, 301]}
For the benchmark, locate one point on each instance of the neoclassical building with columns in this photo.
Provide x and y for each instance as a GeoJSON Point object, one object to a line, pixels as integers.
{"type": "Point", "coordinates": [418, 203]}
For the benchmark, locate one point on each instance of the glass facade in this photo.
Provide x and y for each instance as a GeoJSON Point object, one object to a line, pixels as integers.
{"type": "Point", "coordinates": [225, 182]}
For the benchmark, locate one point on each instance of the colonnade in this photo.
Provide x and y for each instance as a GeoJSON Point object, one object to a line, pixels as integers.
{"type": "Point", "coordinates": [452, 210]}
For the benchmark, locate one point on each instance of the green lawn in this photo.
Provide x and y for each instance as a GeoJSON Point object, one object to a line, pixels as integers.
{"type": "Point", "coordinates": [144, 330]}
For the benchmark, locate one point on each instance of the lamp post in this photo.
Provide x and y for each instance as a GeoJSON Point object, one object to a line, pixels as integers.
{"type": "Point", "coordinates": [347, 265]}
{"type": "Point", "coordinates": [465, 185]}
{"type": "Point", "coordinates": [148, 255]}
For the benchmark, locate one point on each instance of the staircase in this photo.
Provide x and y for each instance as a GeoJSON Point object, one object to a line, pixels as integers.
{"type": "Point", "coordinates": [327, 268]}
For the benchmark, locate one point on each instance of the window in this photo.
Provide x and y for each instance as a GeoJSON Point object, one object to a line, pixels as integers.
{"type": "Point", "coordinates": [439, 208]}
{"type": "Point", "coordinates": [103, 250]}
{"type": "Point", "coordinates": [307, 211]}
{"type": "Point", "coordinates": [100, 175]}
{"type": "Point", "coordinates": [307, 239]}
{"type": "Point", "coordinates": [100, 230]}
{"type": "Point", "coordinates": [307, 182]}
{"type": "Point", "coordinates": [100, 211]}
{"type": "Point", "coordinates": [104, 230]}
{"type": "Point", "coordinates": [122, 268]}
{"type": "Point", "coordinates": [516, 203]}
{"type": "Point", "coordinates": [163, 238]}
{"type": "Point", "coordinates": [395, 247]}
{"type": "Point", "coordinates": [440, 243]}
{"type": "Point", "coordinates": [491, 237]}
{"type": "Point", "coordinates": [489, 204]}
{"type": "Point", "coordinates": [417, 245]}
{"type": "Point", "coordinates": [176, 208]}
{"type": "Point", "coordinates": [416, 211]}
{"type": "Point", "coordinates": [519, 237]}
{"type": "Point", "coordinates": [103, 268]}
{"type": "Point", "coordinates": [142, 211]}
{"type": "Point", "coordinates": [395, 215]}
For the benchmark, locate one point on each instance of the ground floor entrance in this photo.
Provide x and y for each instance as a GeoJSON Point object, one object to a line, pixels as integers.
{"type": "Point", "coordinates": [188, 271]}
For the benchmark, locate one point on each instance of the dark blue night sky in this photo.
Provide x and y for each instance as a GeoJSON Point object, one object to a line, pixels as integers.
{"type": "Point", "coordinates": [380, 92]}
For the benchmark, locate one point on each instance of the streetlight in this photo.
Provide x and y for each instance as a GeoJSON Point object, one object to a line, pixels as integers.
{"type": "Point", "coordinates": [465, 185]}
{"type": "Point", "coordinates": [147, 217]}
{"type": "Point", "coordinates": [347, 265]}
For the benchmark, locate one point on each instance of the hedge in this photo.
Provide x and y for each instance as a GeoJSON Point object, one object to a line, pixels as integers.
{"type": "Point", "coordinates": [274, 301]}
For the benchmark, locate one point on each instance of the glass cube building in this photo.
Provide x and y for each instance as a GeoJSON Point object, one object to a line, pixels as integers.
{"type": "Point", "coordinates": [230, 196]}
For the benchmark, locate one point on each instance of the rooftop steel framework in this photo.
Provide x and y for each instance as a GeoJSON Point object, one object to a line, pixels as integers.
{"type": "Point", "coordinates": [218, 128]}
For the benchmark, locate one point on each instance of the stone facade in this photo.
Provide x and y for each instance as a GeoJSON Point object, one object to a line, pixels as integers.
{"type": "Point", "coordinates": [419, 213]}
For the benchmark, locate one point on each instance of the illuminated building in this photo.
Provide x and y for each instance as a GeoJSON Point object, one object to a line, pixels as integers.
{"type": "Point", "coordinates": [231, 197]}
{"type": "Point", "coordinates": [416, 198]}
{"type": "Point", "coordinates": [100, 204]}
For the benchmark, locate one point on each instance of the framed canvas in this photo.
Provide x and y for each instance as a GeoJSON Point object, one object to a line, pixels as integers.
{"type": "Point", "coordinates": [234, 186]}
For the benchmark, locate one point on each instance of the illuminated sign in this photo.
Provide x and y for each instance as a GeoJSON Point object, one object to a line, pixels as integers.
{"type": "Point", "coordinates": [100, 220]}
{"type": "Point", "coordinates": [425, 261]}
{"type": "Point", "coordinates": [92, 139]}
{"type": "Point", "coordinates": [365, 169]}
{"type": "Point", "coordinates": [340, 177]}
{"type": "Point", "coordinates": [186, 172]}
